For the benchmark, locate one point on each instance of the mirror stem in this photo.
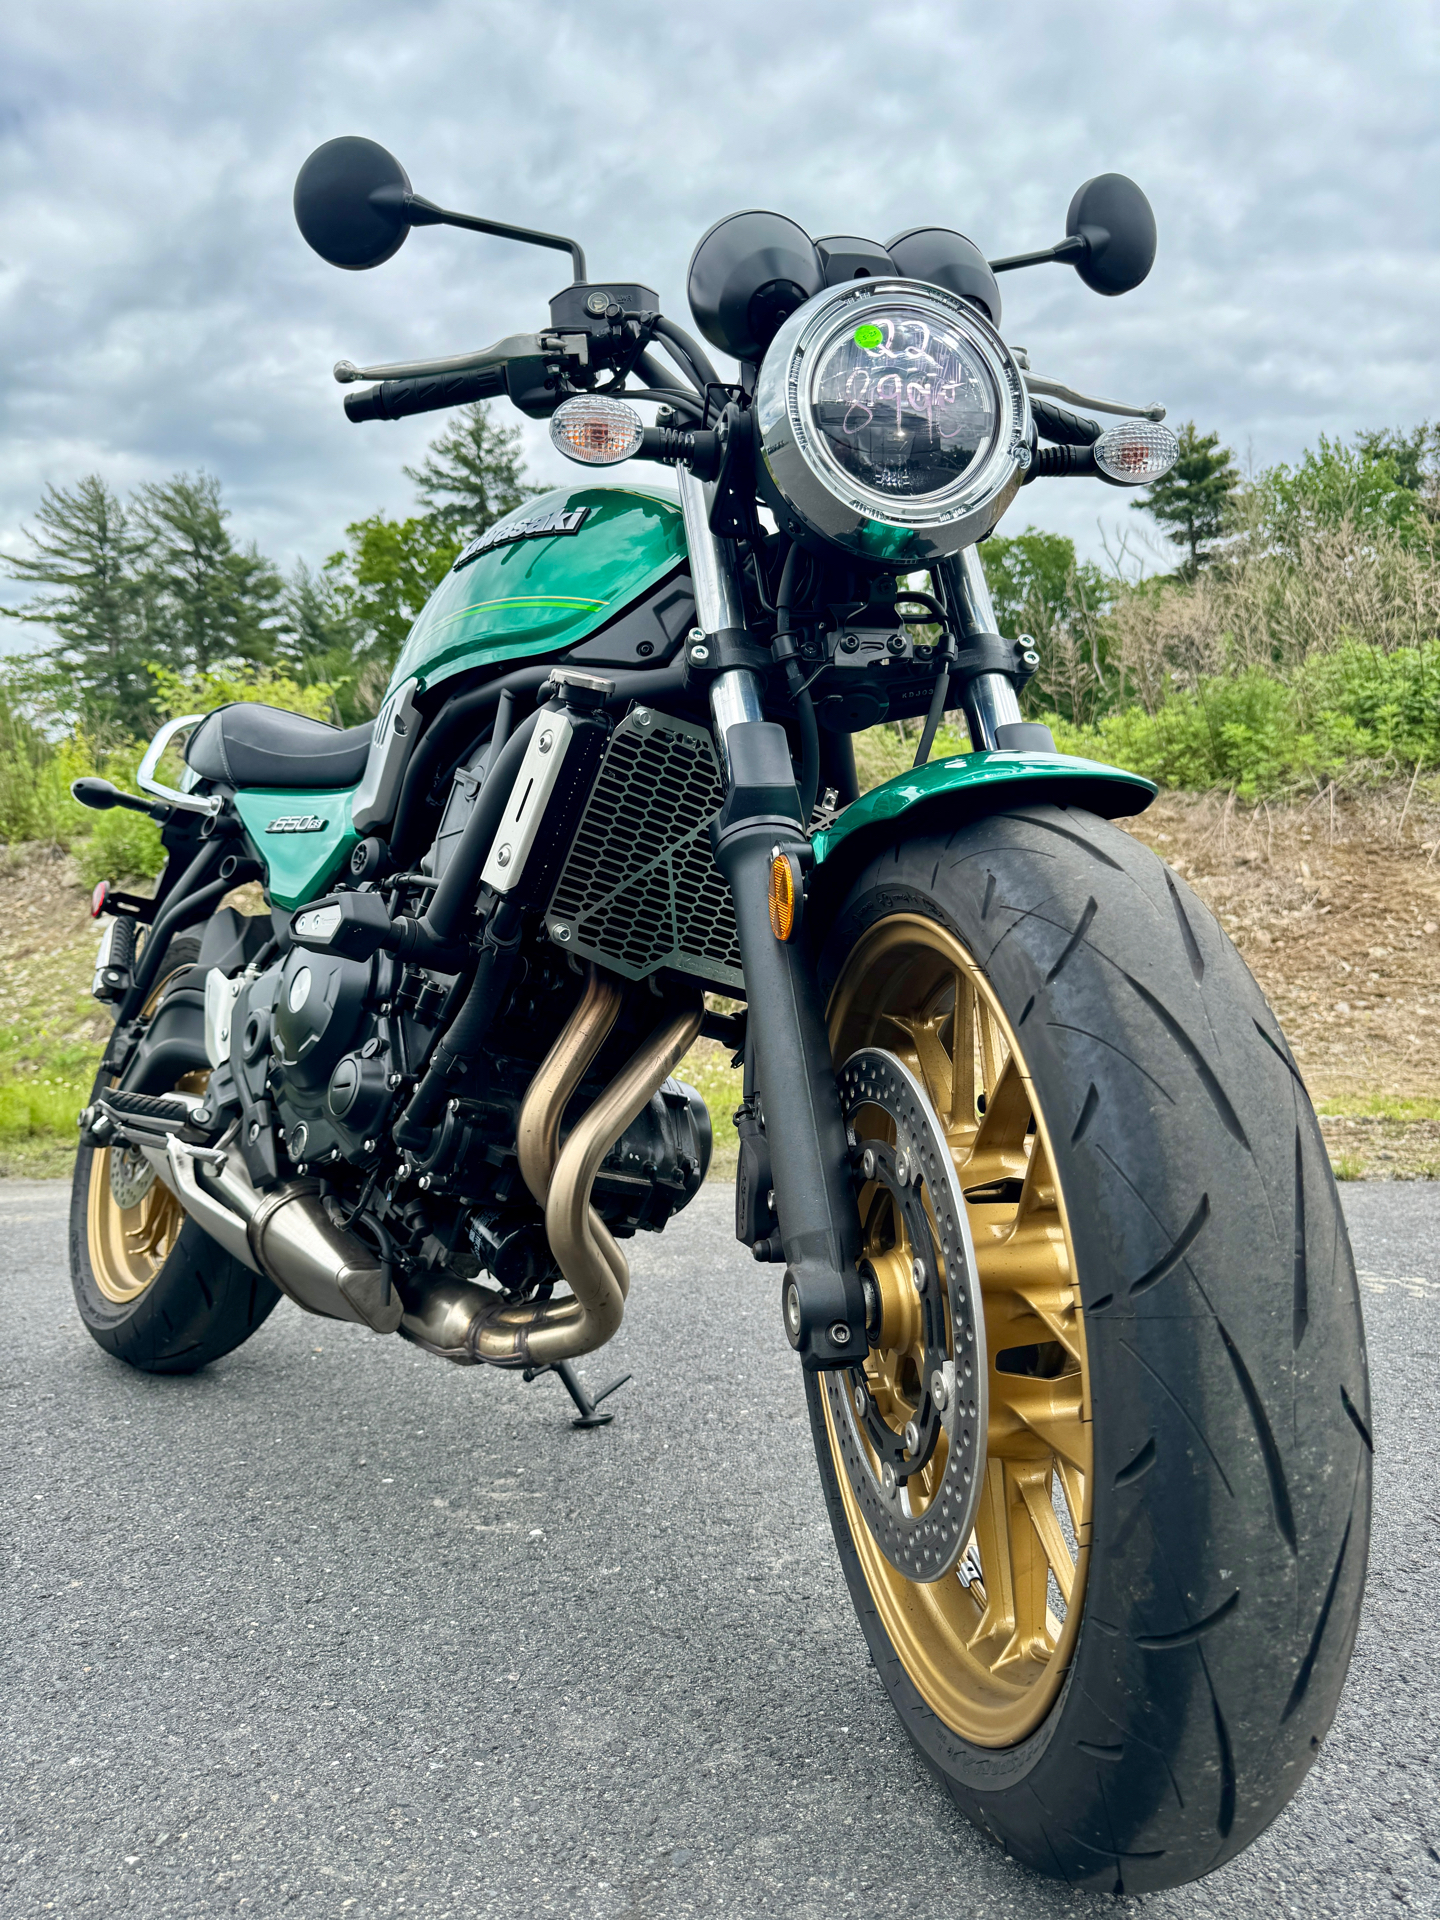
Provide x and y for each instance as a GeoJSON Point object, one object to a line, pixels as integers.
{"type": "Point", "coordinates": [1073, 247]}
{"type": "Point", "coordinates": [420, 212]}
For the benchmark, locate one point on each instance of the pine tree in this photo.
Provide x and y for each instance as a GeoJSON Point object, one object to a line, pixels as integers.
{"type": "Point", "coordinates": [320, 638]}
{"type": "Point", "coordinates": [471, 475]}
{"type": "Point", "coordinates": [88, 552]}
{"type": "Point", "coordinates": [1414, 457]}
{"type": "Point", "coordinates": [1195, 501]}
{"type": "Point", "coordinates": [215, 601]}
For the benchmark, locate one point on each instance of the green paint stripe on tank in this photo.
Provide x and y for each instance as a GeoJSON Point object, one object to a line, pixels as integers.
{"type": "Point", "coordinates": [519, 600]}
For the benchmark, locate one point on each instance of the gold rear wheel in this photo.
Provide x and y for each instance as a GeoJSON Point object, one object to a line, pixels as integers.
{"type": "Point", "coordinates": [132, 1219]}
{"type": "Point", "coordinates": [130, 1239]}
{"type": "Point", "coordinates": [988, 1646]}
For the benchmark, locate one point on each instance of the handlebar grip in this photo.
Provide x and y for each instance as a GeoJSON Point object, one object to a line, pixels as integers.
{"type": "Point", "coordinates": [394, 399]}
{"type": "Point", "coordinates": [1055, 422]}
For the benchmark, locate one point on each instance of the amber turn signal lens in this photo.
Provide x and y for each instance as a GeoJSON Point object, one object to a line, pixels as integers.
{"type": "Point", "coordinates": [783, 896]}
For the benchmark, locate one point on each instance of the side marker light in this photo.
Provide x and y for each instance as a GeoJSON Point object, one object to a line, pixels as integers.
{"type": "Point", "coordinates": [784, 894]}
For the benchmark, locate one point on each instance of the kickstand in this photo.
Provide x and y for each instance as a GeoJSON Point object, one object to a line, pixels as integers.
{"type": "Point", "coordinates": [588, 1417]}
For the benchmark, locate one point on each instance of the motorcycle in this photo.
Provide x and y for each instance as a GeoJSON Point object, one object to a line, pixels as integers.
{"type": "Point", "coordinates": [1057, 1242]}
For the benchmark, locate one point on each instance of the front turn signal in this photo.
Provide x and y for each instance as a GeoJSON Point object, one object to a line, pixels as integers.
{"type": "Point", "coordinates": [595, 431]}
{"type": "Point", "coordinates": [785, 894]}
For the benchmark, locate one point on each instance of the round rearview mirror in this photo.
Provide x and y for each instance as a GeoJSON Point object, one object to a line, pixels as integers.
{"type": "Point", "coordinates": [747, 276]}
{"type": "Point", "coordinates": [1114, 218]}
{"type": "Point", "coordinates": [350, 202]}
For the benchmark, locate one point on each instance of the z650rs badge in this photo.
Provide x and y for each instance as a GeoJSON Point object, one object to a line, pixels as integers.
{"type": "Point", "coordinates": [297, 824]}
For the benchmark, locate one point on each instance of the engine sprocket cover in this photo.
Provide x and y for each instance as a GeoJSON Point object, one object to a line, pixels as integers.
{"type": "Point", "coordinates": [919, 1501]}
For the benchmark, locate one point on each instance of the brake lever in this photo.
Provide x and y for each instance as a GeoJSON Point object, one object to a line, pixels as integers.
{"type": "Point", "coordinates": [1057, 390]}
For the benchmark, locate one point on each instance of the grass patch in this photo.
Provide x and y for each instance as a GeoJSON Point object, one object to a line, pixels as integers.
{"type": "Point", "coordinates": [32, 1108]}
{"type": "Point", "coordinates": [708, 1069]}
{"type": "Point", "coordinates": [1349, 1167]}
{"type": "Point", "coordinates": [1384, 1107]}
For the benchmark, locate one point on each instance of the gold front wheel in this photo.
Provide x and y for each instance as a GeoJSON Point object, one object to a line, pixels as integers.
{"type": "Point", "coordinates": [1133, 1663]}
{"type": "Point", "coordinates": [987, 1647]}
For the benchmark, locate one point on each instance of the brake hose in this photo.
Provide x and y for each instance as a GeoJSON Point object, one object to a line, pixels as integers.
{"type": "Point", "coordinates": [800, 693]}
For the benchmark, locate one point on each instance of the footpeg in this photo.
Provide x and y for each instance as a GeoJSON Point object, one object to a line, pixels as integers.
{"type": "Point", "coordinates": [571, 1381]}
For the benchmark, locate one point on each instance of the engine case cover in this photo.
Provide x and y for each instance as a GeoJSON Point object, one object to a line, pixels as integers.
{"type": "Point", "coordinates": [317, 1013]}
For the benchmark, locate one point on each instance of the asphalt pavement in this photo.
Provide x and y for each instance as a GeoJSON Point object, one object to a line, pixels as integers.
{"type": "Point", "coordinates": [335, 1629]}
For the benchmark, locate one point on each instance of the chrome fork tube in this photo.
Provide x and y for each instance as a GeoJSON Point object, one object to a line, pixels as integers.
{"type": "Point", "coordinates": [718, 602]}
{"type": "Point", "coordinates": [735, 695]}
{"type": "Point", "coordinates": [990, 698]}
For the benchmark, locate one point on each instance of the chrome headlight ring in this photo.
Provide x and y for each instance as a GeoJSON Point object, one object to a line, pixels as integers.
{"type": "Point", "coordinates": [931, 343]}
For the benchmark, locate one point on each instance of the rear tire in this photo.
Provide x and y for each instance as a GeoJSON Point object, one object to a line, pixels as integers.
{"type": "Point", "coordinates": [152, 1288]}
{"type": "Point", "coordinates": [1229, 1492]}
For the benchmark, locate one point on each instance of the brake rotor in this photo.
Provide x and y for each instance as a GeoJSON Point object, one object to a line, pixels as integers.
{"type": "Point", "coordinates": [918, 1486]}
{"type": "Point", "coordinates": [131, 1176]}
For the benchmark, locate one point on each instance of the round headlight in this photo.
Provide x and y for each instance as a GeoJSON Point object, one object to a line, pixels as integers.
{"type": "Point", "coordinates": [892, 420]}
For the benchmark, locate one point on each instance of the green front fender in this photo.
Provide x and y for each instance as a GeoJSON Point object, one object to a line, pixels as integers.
{"type": "Point", "coordinates": [946, 794]}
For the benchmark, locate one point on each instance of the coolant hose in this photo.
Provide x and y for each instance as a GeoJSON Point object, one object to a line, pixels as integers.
{"type": "Point", "coordinates": [466, 1032]}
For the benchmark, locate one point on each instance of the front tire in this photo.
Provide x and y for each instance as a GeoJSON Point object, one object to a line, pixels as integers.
{"type": "Point", "coordinates": [1137, 1661]}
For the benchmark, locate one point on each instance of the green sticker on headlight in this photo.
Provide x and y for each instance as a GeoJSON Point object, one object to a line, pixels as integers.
{"type": "Point", "coordinates": [868, 336]}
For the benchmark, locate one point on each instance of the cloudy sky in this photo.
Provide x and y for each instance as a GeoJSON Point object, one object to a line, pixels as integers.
{"type": "Point", "coordinates": [160, 311]}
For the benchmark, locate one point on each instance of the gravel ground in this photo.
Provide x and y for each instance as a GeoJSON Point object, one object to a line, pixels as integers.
{"type": "Point", "coordinates": [334, 1630]}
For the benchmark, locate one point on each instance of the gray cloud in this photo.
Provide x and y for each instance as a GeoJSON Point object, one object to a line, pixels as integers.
{"type": "Point", "coordinates": [160, 310]}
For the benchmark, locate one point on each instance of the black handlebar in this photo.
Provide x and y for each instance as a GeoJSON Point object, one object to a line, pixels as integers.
{"type": "Point", "coordinates": [1064, 463]}
{"type": "Point", "coordinates": [394, 399]}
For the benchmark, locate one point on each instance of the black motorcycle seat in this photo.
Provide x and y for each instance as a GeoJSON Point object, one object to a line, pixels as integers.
{"type": "Point", "coordinates": [247, 745]}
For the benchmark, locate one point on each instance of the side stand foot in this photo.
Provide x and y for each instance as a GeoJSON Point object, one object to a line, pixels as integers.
{"type": "Point", "coordinates": [570, 1380]}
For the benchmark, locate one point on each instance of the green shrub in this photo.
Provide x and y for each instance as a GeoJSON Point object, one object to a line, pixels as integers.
{"type": "Point", "coordinates": [122, 846]}
{"type": "Point", "coordinates": [1353, 714]}
{"type": "Point", "coordinates": [242, 680]}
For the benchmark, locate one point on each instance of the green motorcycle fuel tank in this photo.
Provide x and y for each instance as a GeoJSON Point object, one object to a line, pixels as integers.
{"type": "Point", "coordinates": [545, 577]}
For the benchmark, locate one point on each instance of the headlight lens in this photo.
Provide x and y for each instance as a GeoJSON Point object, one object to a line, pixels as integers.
{"type": "Point", "coordinates": [903, 404]}
{"type": "Point", "coordinates": [893, 421]}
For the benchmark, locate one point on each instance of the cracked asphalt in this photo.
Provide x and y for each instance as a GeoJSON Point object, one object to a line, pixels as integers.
{"type": "Point", "coordinates": [333, 1629]}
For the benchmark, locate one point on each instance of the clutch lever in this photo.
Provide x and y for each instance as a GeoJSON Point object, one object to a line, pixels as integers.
{"type": "Point", "coordinates": [513, 348]}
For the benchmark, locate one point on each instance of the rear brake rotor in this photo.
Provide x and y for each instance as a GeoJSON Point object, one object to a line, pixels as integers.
{"type": "Point", "coordinates": [131, 1177]}
{"type": "Point", "coordinates": [918, 1485]}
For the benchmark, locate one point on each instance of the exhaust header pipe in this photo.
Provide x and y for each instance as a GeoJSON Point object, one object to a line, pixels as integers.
{"type": "Point", "coordinates": [464, 1322]}
{"type": "Point", "coordinates": [286, 1233]}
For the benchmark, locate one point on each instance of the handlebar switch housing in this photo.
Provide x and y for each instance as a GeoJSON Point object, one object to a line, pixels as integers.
{"type": "Point", "coordinates": [583, 308]}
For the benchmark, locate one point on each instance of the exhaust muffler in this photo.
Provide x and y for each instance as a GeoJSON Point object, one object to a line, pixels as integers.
{"type": "Point", "coordinates": [284, 1233]}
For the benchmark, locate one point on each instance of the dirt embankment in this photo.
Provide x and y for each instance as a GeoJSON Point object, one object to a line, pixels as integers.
{"type": "Point", "coordinates": [1334, 905]}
